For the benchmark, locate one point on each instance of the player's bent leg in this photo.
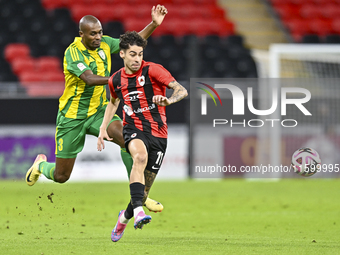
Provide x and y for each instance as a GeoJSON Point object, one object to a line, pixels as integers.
{"type": "Point", "coordinates": [139, 154]}
{"type": "Point", "coordinates": [115, 131]}
{"type": "Point", "coordinates": [63, 169]}
{"type": "Point", "coordinates": [150, 204]}
{"type": "Point", "coordinates": [33, 173]}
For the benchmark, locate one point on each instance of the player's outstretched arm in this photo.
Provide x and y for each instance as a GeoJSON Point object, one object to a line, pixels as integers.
{"type": "Point", "coordinates": [109, 113]}
{"type": "Point", "coordinates": [157, 13]}
{"type": "Point", "coordinates": [179, 93]}
{"type": "Point", "coordinates": [92, 79]}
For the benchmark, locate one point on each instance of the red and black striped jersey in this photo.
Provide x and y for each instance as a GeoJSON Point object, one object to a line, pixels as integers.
{"type": "Point", "coordinates": [136, 92]}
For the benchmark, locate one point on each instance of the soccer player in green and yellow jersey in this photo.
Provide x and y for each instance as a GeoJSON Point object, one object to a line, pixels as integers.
{"type": "Point", "coordinates": [87, 67]}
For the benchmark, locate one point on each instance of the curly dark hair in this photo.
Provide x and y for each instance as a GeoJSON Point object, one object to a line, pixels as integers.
{"type": "Point", "coordinates": [131, 38]}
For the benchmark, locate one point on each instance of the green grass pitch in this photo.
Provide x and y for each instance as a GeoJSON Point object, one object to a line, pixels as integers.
{"type": "Point", "coordinates": [234, 216]}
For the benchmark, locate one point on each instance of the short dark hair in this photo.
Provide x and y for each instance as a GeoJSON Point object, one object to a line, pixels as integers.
{"type": "Point", "coordinates": [131, 38]}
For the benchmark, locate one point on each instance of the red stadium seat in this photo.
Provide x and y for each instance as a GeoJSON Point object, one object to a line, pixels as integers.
{"type": "Point", "coordinates": [45, 89]}
{"type": "Point", "coordinates": [336, 25]}
{"type": "Point", "coordinates": [102, 12]}
{"type": "Point", "coordinates": [48, 63]}
{"type": "Point", "coordinates": [179, 3]}
{"type": "Point", "coordinates": [52, 4]}
{"type": "Point", "coordinates": [174, 26]}
{"type": "Point", "coordinates": [323, 2]}
{"type": "Point", "coordinates": [78, 11]}
{"type": "Point", "coordinates": [26, 78]}
{"type": "Point", "coordinates": [16, 50]}
{"type": "Point", "coordinates": [125, 12]}
{"type": "Point", "coordinates": [173, 11]}
{"type": "Point", "coordinates": [298, 26]}
{"type": "Point", "coordinates": [216, 11]}
{"type": "Point", "coordinates": [310, 11]}
{"type": "Point", "coordinates": [287, 11]}
{"type": "Point", "coordinates": [143, 11]}
{"type": "Point", "coordinates": [21, 65]}
{"type": "Point", "coordinates": [43, 83]}
{"type": "Point", "coordinates": [199, 27]}
{"type": "Point", "coordinates": [188, 11]}
{"type": "Point", "coordinates": [330, 11]}
{"type": "Point", "coordinates": [279, 2]}
{"type": "Point", "coordinates": [53, 76]}
{"type": "Point", "coordinates": [299, 2]}
{"type": "Point", "coordinates": [134, 24]}
{"type": "Point", "coordinates": [205, 2]}
{"type": "Point", "coordinates": [223, 28]}
{"type": "Point", "coordinates": [320, 27]}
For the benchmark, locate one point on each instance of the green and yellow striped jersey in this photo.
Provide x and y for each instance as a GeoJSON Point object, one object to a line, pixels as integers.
{"type": "Point", "coordinates": [80, 101]}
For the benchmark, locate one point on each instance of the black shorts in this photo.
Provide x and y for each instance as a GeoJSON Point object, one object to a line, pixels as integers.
{"type": "Point", "coordinates": [155, 146]}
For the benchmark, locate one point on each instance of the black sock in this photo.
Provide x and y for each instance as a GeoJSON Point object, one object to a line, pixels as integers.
{"type": "Point", "coordinates": [137, 194]}
{"type": "Point", "coordinates": [129, 211]}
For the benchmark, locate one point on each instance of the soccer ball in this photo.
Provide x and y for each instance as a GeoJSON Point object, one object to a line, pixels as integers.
{"type": "Point", "coordinates": [306, 162]}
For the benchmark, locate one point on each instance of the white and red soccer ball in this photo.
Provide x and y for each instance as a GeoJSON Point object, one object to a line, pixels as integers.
{"type": "Point", "coordinates": [306, 162]}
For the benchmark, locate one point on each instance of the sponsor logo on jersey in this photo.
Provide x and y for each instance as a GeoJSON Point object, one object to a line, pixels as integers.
{"type": "Point", "coordinates": [141, 80]}
{"type": "Point", "coordinates": [101, 54]}
{"type": "Point", "coordinates": [150, 107]}
{"type": "Point", "coordinates": [133, 135]}
{"type": "Point", "coordinates": [128, 110]}
{"type": "Point", "coordinates": [81, 66]}
{"type": "Point", "coordinates": [133, 96]}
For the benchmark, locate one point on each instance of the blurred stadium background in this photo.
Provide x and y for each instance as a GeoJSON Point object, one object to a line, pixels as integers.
{"type": "Point", "coordinates": [198, 38]}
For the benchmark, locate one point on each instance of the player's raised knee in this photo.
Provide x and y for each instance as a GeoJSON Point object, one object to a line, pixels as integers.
{"type": "Point", "coordinates": [140, 158]}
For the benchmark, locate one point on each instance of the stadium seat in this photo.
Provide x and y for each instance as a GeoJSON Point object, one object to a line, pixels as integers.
{"type": "Point", "coordinates": [279, 2]}
{"type": "Point", "coordinates": [299, 2]}
{"type": "Point", "coordinates": [205, 2]}
{"type": "Point", "coordinates": [235, 40]}
{"type": "Point", "coordinates": [310, 11]}
{"type": "Point", "coordinates": [336, 25]}
{"type": "Point", "coordinates": [79, 10]}
{"type": "Point", "coordinates": [52, 4]}
{"type": "Point", "coordinates": [26, 78]}
{"type": "Point", "coordinates": [143, 11]}
{"type": "Point", "coordinates": [48, 63]}
{"type": "Point", "coordinates": [330, 11]}
{"type": "Point", "coordinates": [102, 12]}
{"type": "Point", "coordinates": [298, 26]}
{"type": "Point", "coordinates": [180, 2]}
{"type": "Point", "coordinates": [320, 27]}
{"type": "Point", "coordinates": [31, 10]}
{"type": "Point", "coordinates": [125, 12]}
{"type": "Point", "coordinates": [133, 24]}
{"type": "Point", "coordinates": [113, 29]}
{"type": "Point", "coordinates": [332, 39]}
{"type": "Point", "coordinates": [212, 11]}
{"type": "Point", "coordinates": [323, 2]}
{"type": "Point", "coordinates": [61, 14]}
{"type": "Point", "coordinates": [310, 39]}
{"type": "Point", "coordinates": [222, 27]}
{"type": "Point", "coordinates": [53, 76]}
{"type": "Point", "coordinates": [246, 66]}
{"type": "Point", "coordinates": [175, 26]}
{"type": "Point", "coordinates": [188, 11]}
{"type": "Point", "coordinates": [15, 50]}
{"type": "Point", "coordinates": [20, 65]}
{"type": "Point", "coordinates": [173, 11]}
{"type": "Point", "coordinates": [287, 11]}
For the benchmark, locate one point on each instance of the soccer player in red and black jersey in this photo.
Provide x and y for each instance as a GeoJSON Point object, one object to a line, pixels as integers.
{"type": "Point", "coordinates": [141, 87]}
